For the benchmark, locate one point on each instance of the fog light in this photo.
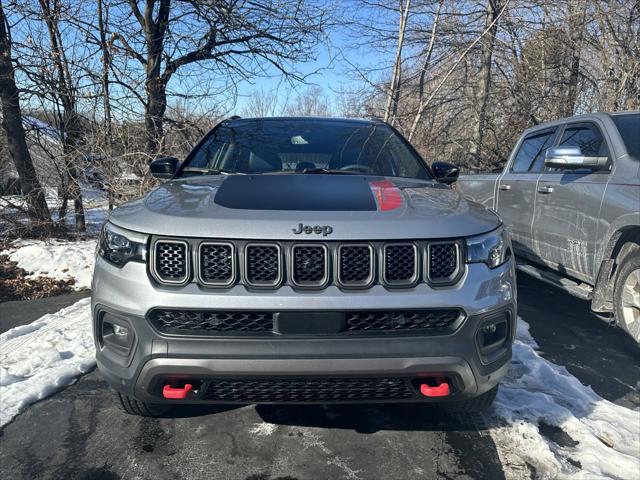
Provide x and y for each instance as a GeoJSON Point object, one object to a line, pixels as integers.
{"type": "Point", "coordinates": [116, 334]}
{"type": "Point", "coordinates": [493, 335]}
{"type": "Point", "coordinates": [487, 329]}
{"type": "Point", "coordinates": [120, 330]}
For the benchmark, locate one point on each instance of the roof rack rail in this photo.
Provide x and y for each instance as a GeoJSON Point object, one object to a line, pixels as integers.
{"type": "Point", "coordinates": [234, 117]}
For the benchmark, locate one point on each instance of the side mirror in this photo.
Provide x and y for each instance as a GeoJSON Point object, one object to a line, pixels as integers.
{"type": "Point", "coordinates": [572, 158]}
{"type": "Point", "coordinates": [164, 167]}
{"type": "Point", "coordinates": [445, 172]}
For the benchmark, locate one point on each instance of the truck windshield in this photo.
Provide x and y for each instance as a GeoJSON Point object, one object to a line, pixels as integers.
{"type": "Point", "coordinates": [305, 146]}
{"type": "Point", "coordinates": [629, 127]}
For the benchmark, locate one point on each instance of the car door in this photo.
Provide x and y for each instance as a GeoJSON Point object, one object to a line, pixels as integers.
{"type": "Point", "coordinates": [517, 188]}
{"type": "Point", "coordinates": [568, 205]}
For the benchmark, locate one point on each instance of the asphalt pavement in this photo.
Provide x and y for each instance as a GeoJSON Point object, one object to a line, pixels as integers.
{"type": "Point", "coordinates": [80, 433]}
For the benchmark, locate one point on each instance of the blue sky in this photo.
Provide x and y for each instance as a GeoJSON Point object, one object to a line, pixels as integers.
{"type": "Point", "coordinates": [330, 70]}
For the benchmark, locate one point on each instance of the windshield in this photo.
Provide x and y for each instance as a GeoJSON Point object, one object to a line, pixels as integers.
{"type": "Point", "coordinates": [629, 127]}
{"type": "Point", "coordinates": [309, 146]}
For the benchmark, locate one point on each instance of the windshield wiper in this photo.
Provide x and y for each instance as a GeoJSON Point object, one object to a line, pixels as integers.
{"type": "Point", "coordinates": [328, 171]}
{"type": "Point", "coordinates": [208, 171]}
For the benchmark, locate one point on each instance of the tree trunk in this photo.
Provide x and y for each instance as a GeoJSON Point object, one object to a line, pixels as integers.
{"type": "Point", "coordinates": [156, 82]}
{"type": "Point", "coordinates": [70, 128]}
{"type": "Point", "coordinates": [103, 18]}
{"type": "Point", "coordinates": [12, 123]}
{"type": "Point", "coordinates": [576, 23]}
{"type": "Point", "coordinates": [154, 115]}
{"type": "Point", "coordinates": [393, 97]}
{"type": "Point", "coordinates": [483, 87]}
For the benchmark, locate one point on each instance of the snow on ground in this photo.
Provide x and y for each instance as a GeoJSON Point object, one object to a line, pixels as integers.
{"type": "Point", "coordinates": [94, 201]}
{"type": "Point", "coordinates": [56, 259]}
{"type": "Point", "coordinates": [38, 359]}
{"type": "Point", "coordinates": [604, 438]}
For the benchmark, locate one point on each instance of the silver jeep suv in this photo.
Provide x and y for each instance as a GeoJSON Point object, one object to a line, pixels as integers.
{"type": "Point", "coordinates": [295, 260]}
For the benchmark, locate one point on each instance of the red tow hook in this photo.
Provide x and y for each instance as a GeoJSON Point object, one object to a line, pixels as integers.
{"type": "Point", "coordinates": [176, 393]}
{"type": "Point", "coordinates": [441, 390]}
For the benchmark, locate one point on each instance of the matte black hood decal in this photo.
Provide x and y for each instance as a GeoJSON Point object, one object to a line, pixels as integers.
{"type": "Point", "coordinates": [314, 192]}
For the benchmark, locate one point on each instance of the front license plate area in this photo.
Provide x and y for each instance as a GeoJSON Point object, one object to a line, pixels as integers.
{"type": "Point", "coordinates": [309, 323]}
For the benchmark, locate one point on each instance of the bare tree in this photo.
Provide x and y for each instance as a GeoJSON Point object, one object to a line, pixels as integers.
{"type": "Point", "coordinates": [70, 122]}
{"type": "Point", "coordinates": [311, 102]}
{"type": "Point", "coordinates": [234, 39]}
{"type": "Point", "coordinates": [12, 124]}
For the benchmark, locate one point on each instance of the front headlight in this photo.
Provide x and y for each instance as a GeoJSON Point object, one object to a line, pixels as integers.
{"type": "Point", "coordinates": [118, 246]}
{"type": "Point", "coordinates": [493, 248]}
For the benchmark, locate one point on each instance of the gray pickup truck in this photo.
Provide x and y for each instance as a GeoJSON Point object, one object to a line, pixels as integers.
{"type": "Point", "coordinates": [570, 196]}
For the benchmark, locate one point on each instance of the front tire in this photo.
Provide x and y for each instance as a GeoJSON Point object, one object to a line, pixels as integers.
{"type": "Point", "coordinates": [626, 294]}
{"type": "Point", "coordinates": [142, 409]}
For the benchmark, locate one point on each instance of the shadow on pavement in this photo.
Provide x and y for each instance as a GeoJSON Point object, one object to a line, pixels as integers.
{"type": "Point", "coordinates": [568, 334]}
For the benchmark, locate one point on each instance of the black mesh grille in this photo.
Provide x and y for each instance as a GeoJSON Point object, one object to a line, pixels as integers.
{"type": "Point", "coordinates": [170, 261]}
{"type": "Point", "coordinates": [443, 261]}
{"type": "Point", "coordinates": [308, 390]}
{"type": "Point", "coordinates": [355, 264]}
{"type": "Point", "coordinates": [309, 264]}
{"type": "Point", "coordinates": [402, 320]}
{"type": "Point", "coordinates": [399, 263]}
{"type": "Point", "coordinates": [204, 322]}
{"type": "Point", "coordinates": [263, 264]}
{"type": "Point", "coordinates": [216, 263]}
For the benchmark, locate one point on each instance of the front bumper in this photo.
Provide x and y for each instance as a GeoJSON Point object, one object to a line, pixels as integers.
{"type": "Point", "coordinates": [155, 358]}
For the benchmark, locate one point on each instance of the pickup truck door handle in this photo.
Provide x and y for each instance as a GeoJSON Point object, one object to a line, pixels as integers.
{"type": "Point", "coordinates": [505, 187]}
{"type": "Point", "coordinates": [545, 189]}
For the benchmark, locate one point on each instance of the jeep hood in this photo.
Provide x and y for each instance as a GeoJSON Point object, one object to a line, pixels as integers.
{"type": "Point", "coordinates": [272, 206]}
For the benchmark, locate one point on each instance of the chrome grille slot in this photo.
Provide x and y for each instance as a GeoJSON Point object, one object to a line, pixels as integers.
{"type": "Point", "coordinates": [355, 265]}
{"type": "Point", "coordinates": [171, 261]}
{"type": "Point", "coordinates": [400, 264]}
{"type": "Point", "coordinates": [263, 265]}
{"type": "Point", "coordinates": [309, 265]}
{"type": "Point", "coordinates": [216, 263]}
{"type": "Point", "coordinates": [443, 262]}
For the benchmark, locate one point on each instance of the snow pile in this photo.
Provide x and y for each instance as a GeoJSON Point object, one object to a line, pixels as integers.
{"type": "Point", "coordinates": [56, 259]}
{"type": "Point", "coordinates": [603, 438]}
{"type": "Point", "coordinates": [38, 359]}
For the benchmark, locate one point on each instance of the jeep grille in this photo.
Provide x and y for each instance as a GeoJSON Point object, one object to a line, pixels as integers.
{"type": "Point", "coordinates": [217, 263]}
{"type": "Point", "coordinates": [443, 262]}
{"type": "Point", "coordinates": [355, 265]}
{"type": "Point", "coordinates": [170, 261]}
{"type": "Point", "coordinates": [263, 265]}
{"type": "Point", "coordinates": [306, 265]}
{"type": "Point", "coordinates": [309, 265]}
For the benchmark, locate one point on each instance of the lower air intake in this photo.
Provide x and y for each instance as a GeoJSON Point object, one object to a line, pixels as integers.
{"type": "Point", "coordinates": [308, 390]}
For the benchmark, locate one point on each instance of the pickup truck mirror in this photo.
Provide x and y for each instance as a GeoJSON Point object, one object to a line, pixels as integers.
{"type": "Point", "coordinates": [572, 158]}
{"type": "Point", "coordinates": [445, 172]}
{"type": "Point", "coordinates": [164, 167]}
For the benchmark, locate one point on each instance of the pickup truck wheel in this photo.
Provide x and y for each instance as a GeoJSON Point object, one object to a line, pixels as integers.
{"type": "Point", "coordinates": [142, 409]}
{"type": "Point", "coordinates": [474, 405]}
{"type": "Point", "coordinates": [626, 295]}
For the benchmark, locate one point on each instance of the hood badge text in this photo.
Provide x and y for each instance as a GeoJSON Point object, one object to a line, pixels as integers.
{"type": "Point", "coordinates": [317, 229]}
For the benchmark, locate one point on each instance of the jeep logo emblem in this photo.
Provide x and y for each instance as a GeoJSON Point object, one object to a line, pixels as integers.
{"type": "Point", "coordinates": [317, 229]}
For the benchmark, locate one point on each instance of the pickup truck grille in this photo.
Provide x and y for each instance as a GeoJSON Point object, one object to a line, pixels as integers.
{"type": "Point", "coordinates": [308, 390]}
{"type": "Point", "coordinates": [172, 321]}
{"type": "Point", "coordinates": [308, 265]}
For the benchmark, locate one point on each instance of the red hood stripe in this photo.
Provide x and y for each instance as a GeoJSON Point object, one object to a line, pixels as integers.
{"type": "Point", "coordinates": [387, 195]}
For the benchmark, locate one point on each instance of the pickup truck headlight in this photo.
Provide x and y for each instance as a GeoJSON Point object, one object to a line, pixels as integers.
{"type": "Point", "coordinates": [492, 248]}
{"type": "Point", "coordinates": [118, 246]}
